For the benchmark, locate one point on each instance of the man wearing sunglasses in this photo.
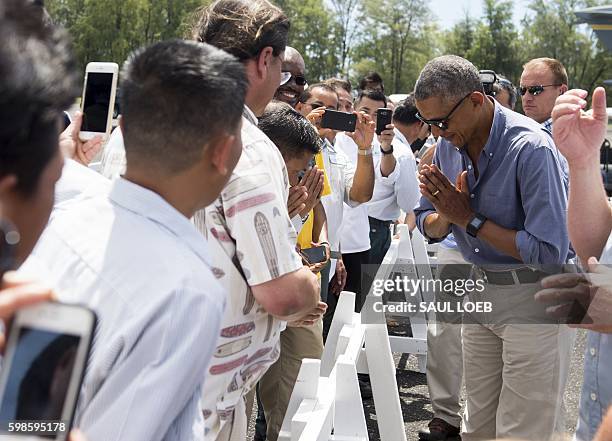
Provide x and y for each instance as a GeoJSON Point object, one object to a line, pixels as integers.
{"type": "Point", "coordinates": [294, 71]}
{"type": "Point", "coordinates": [496, 185]}
{"type": "Point", "coordinates": [542, 81]}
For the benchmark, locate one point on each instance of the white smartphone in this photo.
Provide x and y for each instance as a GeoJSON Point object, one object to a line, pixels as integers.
{"type": "Point", "coordinates": [42, 371]}
{"type": "Point", "coordinates": [98, 101]}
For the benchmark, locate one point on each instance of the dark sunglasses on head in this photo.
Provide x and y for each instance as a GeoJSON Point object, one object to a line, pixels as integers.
{"type": "Point", "coordinates": [535, 90]}
{"type": "Point", "coordinates": [442, 123]}
{"type": "Point", "coordinates": [300, 80]}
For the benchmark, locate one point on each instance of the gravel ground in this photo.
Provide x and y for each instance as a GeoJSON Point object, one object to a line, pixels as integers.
{"type": "Point", "coordinates": [416, 406]}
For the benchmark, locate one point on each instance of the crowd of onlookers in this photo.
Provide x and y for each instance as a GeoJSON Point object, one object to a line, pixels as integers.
{"type": "Point", "coordinates": [196, 242]}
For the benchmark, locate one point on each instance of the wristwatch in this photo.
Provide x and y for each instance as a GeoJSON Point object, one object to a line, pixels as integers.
{"type": "Point", "coordinates": [474, 226]}
{"type": "Point", "coordinates": [387, 152]}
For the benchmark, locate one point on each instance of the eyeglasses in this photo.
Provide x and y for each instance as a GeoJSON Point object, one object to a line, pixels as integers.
{"type": "Point", "coordinates": [285, 77]}
{"type": "Point", "coordinates": [535, 90]}
{"type": "Point", "coordinates": [318, 105]}
{"type": "Point", "coordinates": [442, 123]}
{"type": "Point", "coordinates": [300, 80]}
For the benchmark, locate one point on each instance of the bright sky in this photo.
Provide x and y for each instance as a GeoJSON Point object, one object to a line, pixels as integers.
{"type": "Point", "coordinates": [451, 11]}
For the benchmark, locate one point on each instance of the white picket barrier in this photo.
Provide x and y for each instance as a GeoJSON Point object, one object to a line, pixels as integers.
{"type": "Point", "coordinates": [409, 257]}
{"type": "Point", "coordinates": [326, 402]}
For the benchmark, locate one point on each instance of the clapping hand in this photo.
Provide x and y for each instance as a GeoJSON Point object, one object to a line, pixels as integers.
{"type": "Point", "coordinates": [452, 202]}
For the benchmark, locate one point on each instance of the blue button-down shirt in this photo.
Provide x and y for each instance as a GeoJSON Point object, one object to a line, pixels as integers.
{"type": "Point", "coordinates": [520, 186]}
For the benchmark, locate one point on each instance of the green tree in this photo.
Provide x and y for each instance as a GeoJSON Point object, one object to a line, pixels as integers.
{"type": "Point", "coordinates": [460, 39]}
{"type": "Point", "coordinates": [395, 41]}
{"type": "Point", "coordinates": [346, 16]}
{"type": "Point", "coordinates": [109, 30]}
{"type": "Point", "coordinates": [554, 31]}
{"type": "Point", "coordinates": [491, 42]}
{"type": "Point", "coordinates": [314, 33]}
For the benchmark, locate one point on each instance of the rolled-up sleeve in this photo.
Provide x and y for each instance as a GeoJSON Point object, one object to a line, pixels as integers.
{"type": "Point", "coordinates": [544, 238]}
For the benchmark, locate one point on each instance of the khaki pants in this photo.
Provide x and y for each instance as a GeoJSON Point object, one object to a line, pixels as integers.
{"type": "Point", "coordinates": [277, 384]}
{"type": "Point", "coordinates": [514, 373]}
{"type": "Point", "coordinates": [444, 355]}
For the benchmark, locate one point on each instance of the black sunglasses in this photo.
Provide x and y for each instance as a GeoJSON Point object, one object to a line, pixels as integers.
{"type": "Point", "coordinates": [442, 123]}
{"type": "Point", "coordinates": [300, 80]}
{"type": "Point", "coordinates": [535, 90]}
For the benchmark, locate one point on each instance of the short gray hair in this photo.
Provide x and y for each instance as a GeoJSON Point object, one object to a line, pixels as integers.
{"type": "Point", "coordinates": [448, 77]}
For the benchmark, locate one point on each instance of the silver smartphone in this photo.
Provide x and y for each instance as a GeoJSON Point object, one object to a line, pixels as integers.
{"type": "Point", "coordinates": [98, 101]}
{"type": "Point", "coordinates": [46, 356]}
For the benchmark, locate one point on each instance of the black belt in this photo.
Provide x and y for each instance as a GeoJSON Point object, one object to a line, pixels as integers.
{"type": "Point", "coordinates": [512, 277]}
{"type": "Point", "coordinates": [385, 223]}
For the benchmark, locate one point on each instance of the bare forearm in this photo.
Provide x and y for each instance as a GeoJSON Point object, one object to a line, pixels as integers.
{"type": "Point", "coordinates": [501, 238]}
{"type": "Point", "coordinates": [363, 181]}
{"type": "Point", "coordinates": [589, 216]}
{"type": "Point", "coordinates": [319, 227]}
{"type": "Point", "coordinates": [289, 297]}
{"type": "Point", "coordinates": [435, 226]}
{"type": "Point", "coordinates": [410, 220]}
{"type": "Point", "coordinates": [387, 165]}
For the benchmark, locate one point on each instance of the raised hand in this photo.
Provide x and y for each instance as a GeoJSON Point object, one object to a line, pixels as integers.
{"type": "Point", "coordinates": [313, 182]}
{"type": "Point", "coordinates": [579, 134]}
{"type": "Point", "coordinates": [16, 293]}
{"type": "Point", "coordinates": [296, 200]}
{"type": "Point", "coordinates": [386, 137]}
{"type": "Point", "coordinates": [452, 202]}
{"type": "Point", "coordinates": [72, 147]}
{"type": "Point", "coordinates": [364, 131]}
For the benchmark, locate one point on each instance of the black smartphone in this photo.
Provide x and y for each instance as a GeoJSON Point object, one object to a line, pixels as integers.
{"type": "Point", "coordinates": [383, 118]}
{"type": "Point", "coordinates": [341, 121]}
{"type": "Point", "coordinates": [314, 255]}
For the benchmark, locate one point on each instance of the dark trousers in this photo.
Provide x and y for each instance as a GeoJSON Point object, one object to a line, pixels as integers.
{"type": "Point", "coordinates": [380, 240]}
{"type": "Point", "coordinates": [354, 281]}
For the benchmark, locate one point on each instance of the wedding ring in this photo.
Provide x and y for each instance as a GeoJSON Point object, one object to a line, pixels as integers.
{"type": "Point", "coordinates": [435, 192]}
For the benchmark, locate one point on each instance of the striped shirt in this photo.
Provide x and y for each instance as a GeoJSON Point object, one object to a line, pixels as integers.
{"type": "Point", "coordinates": [144, 269]}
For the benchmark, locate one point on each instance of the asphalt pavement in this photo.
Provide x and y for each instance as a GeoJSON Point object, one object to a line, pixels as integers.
{"type": "Point", "coordinates": [416, 406]}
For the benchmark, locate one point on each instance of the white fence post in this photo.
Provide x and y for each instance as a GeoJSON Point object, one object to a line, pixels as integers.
{"type": "Point", "coordinates": [333, 400]}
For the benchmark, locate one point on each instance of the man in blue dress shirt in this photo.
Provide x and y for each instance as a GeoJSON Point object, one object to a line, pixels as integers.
{"type": "Point", "coordinates": [496, 185]}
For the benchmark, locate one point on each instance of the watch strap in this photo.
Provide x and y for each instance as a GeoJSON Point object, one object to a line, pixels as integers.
{"type": "Point", "coordinates": [475, 224]}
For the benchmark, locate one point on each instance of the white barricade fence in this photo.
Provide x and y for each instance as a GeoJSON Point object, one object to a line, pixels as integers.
{"type": "Point", "coordinates": [326, 402]}
{"type": "Point", "coordinates": [410, 257]}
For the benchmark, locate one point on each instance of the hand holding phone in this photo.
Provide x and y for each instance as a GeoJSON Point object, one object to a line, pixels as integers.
{"type": "Point", "coordinates": [383, 119]}
{"type": "Point", "coordinates": [74, 148]}
{"type": "Point", "coordinates": [314, 255]}
{"type": "Point", "coordinates": [98, 100]}
{"type": "Point", "coordinates": [340, 121]}
{"type": "Point", "coordinates": [364, 131]}
{"type": "Point", "coordinates": [43, 369]}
